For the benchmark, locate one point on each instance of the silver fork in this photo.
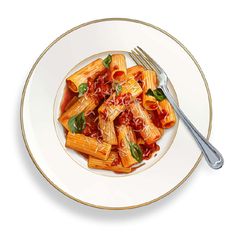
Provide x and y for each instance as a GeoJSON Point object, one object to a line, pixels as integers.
{"type": "Point", "coordinates": [212, 155]}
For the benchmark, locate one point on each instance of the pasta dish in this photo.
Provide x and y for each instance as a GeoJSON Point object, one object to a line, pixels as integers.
{"type": "Point", "coordinates": [114, 115]}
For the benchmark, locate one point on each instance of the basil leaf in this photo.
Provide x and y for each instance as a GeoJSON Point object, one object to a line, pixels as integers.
{"type": "Point", "coordinates": [118, 89]}
{"type": "Point", "coordinates": [149, 92]}
{"type": "Point", "coordinates": [82, 89]}
{"type": "Point", "coordinates": [77, 123]}
{"type": "Point", "coordinates": [106, 62]}
{"type": "Point", "coordinates": [157, 93]}
{"type": "Point", "coordinates": [136, 151]}
{"type": "Point", "coordinates": [71, 124]}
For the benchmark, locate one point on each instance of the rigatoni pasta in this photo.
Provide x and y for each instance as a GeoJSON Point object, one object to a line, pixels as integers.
{"type": "Point", "coordinates": [149, 132]}
{"type": "Point", "coordinates": [116, 104]}
{"type": "Point", "coordinates": [126, 137]}
{"type": "Point", "coordinates": [135, 72]}
{"type": "Point", "coordinates": [112, 163]}
{"type": "Point", "coordinates": [92, 70]}
{"type": "Point", "coordinates": [114, 115]}
{"type": "Point", "coordinates": [166, 114]}
{"type": "Point", "coordinates": [87, 145]}
{"type": "Point", "coordinates": [107, 130]}
{"type": "Point", "coordinates": [84, 104]}
{"type": "Point", "coordinates": [118, 67]}
{"type": "Point", "coordinates": [149, 80]}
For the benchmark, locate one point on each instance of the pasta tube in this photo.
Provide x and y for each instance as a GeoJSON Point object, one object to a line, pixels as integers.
{"type": "Point", "coordinates": [92, 70]}
{"type": "Point", "coordinates": [71, 102]}
{"type": "Point", "coordinates": [118, 67]}
{"type": "Point", "coordinates": [149, 132]}
{"type": "Point", "coordinates": [108, 164]}
{"type": "Point", "coordinates": [135, 72]}
{"type": "Point", "coordinates": [87, 145]}
{"type": "Point", "coordinates": [131, 86]}
{"type": "Point", "coordinates": [114, 105]}
{"type": "Point", "coordinates": [84, 104]}
{"type": "Point", "coordinates": [108, 130]}
{"type": "Point", "coordinates": [166, 114]}
{"type": "Point", "coordinates": [149, 82]}
{"type": "Point", "coordinates": [126, 135]}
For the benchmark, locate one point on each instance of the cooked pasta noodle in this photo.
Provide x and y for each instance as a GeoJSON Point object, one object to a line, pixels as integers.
{"type": "Point", "coordinates": [87, 145]}
{"type": "Point", "coordinates": [114, 115]}
{"type": "Point", "coordinates": [118, 67]}
{"type": "Point", "coordinates": [92, 70]}
{"type": "Point", "coordinates": [126, 135]}
{"type": "Point", "coordinates": [148, 130]}
{"type": "Point", "coordinates": [110, 164]}
{"type": "Point", "coordinates": [84, 104]}
{"type": "Point", "coordinates": [149, 82]}
{"type": "Point", "coordinates": [167, 114]}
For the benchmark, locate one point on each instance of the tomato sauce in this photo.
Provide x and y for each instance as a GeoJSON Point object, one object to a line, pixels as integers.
{"type": "Point", "coordinates": [124, 99]}
{"type": "Point", "coordinates": [155, 118]}
{"type": "Point", "coordinates": [116, 161]}
{"type": "Point", "coordinates": [138, 76]}
{"type": "Point", "coordinates": [125, 118]}
{"type": "Point", "coordinates": [101, 87]}
{"type": "Point", "coordinates": [148, 150]}
{"type": "Point", "coordinates": [163, 113]}
{"type": "Point", "coordinates": [91, 128]}
{"type": "Point", "coordinates": [138, 124]}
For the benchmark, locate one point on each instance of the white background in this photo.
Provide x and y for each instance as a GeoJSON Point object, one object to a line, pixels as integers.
{"type": "Point", "coordinates": [203, 205]}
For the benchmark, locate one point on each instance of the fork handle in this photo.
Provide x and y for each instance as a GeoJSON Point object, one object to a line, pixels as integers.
{"type": "Point", "coordinates": [212, 155]}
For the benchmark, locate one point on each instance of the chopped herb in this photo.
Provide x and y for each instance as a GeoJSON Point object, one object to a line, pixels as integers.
{"type": "Point", "coordinates": [118, 89]}
{"type": "Point", "coordinates": [136, 151]}
{"type": "Point", "coordinates": [77, 123]}
{"type": "Point", "coordinates": [82, 89]}
{"type": "Point", "coordinates": [106, 62]}
{"type": "Point", "coordinates": [157, 93]}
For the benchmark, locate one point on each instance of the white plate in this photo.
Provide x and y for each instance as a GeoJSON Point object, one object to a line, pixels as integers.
{"type": "Point", "coordinates": [66, 170]}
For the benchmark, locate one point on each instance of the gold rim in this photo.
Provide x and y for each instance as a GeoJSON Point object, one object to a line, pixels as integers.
{"type": "Point", "coordinates": [28, 79]}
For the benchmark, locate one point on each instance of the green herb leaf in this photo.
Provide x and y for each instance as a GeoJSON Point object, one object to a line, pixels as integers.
{"type": "Point", "coordinates": [136, 151]}
{"type": "Point", "coordinates": [77, 123]}
{"type": "Point", "coordinates": [82, 89]}
{"type": "Point", "coordinates": [106, 62]}
{"type": "Point", "coordinates": [157, 93]}
{"type": "Point", "coordinates": [71, 124]}
{"type": "Point", "coordinates": [118, 89]}
{"type": "Point", "coordinates": [150, 92]}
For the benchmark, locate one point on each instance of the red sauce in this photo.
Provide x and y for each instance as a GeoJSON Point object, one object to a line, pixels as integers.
{"type": "Point", "coordinates": [162, 114]}
{"type": "Point", "coordinates": [139, 98]}
{"type": "Point", "coordinates": [155, 118]}
{"type": "Point", "coordinates": [153, 106]}
{"type": "Point", "coordinates": [101, 87]}
{"type": "Point", "coordinates": [119, 75]}
{"type": "Point", "coordinates": [124, 99]}
{"type": "Point", "coordinates": [149, 149]}
{"type": "Point", "coordinates": [138, 124]}
{"type": "Point", "coordinates": [138, 76]}
{"type": "Point", "coordinates": [125, 118]}
{"type": "Point", "coordinates": [103, 114]}
{"type": "Point", "coordinates": [116, 161]}
{"type": "Point", "coordinates": [91, 128]}
{"type": "Point", "coordinates": [67, 97]}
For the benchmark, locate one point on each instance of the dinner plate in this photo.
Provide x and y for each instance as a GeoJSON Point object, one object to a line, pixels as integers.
{"type": "Point", "coordinates": [66, 170]}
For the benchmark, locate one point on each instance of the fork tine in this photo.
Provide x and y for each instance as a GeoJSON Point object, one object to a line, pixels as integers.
{"type": "Point", "coordinates": [137, 59]}
{"type": "Point", "coordinates": [134, 58]}
{"type": "Point", "coordinates": [157, 66]}
{"type": "Point", "coordinates": [149, 65]}
{"type": "Point", "coordinates": [141, 59]}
